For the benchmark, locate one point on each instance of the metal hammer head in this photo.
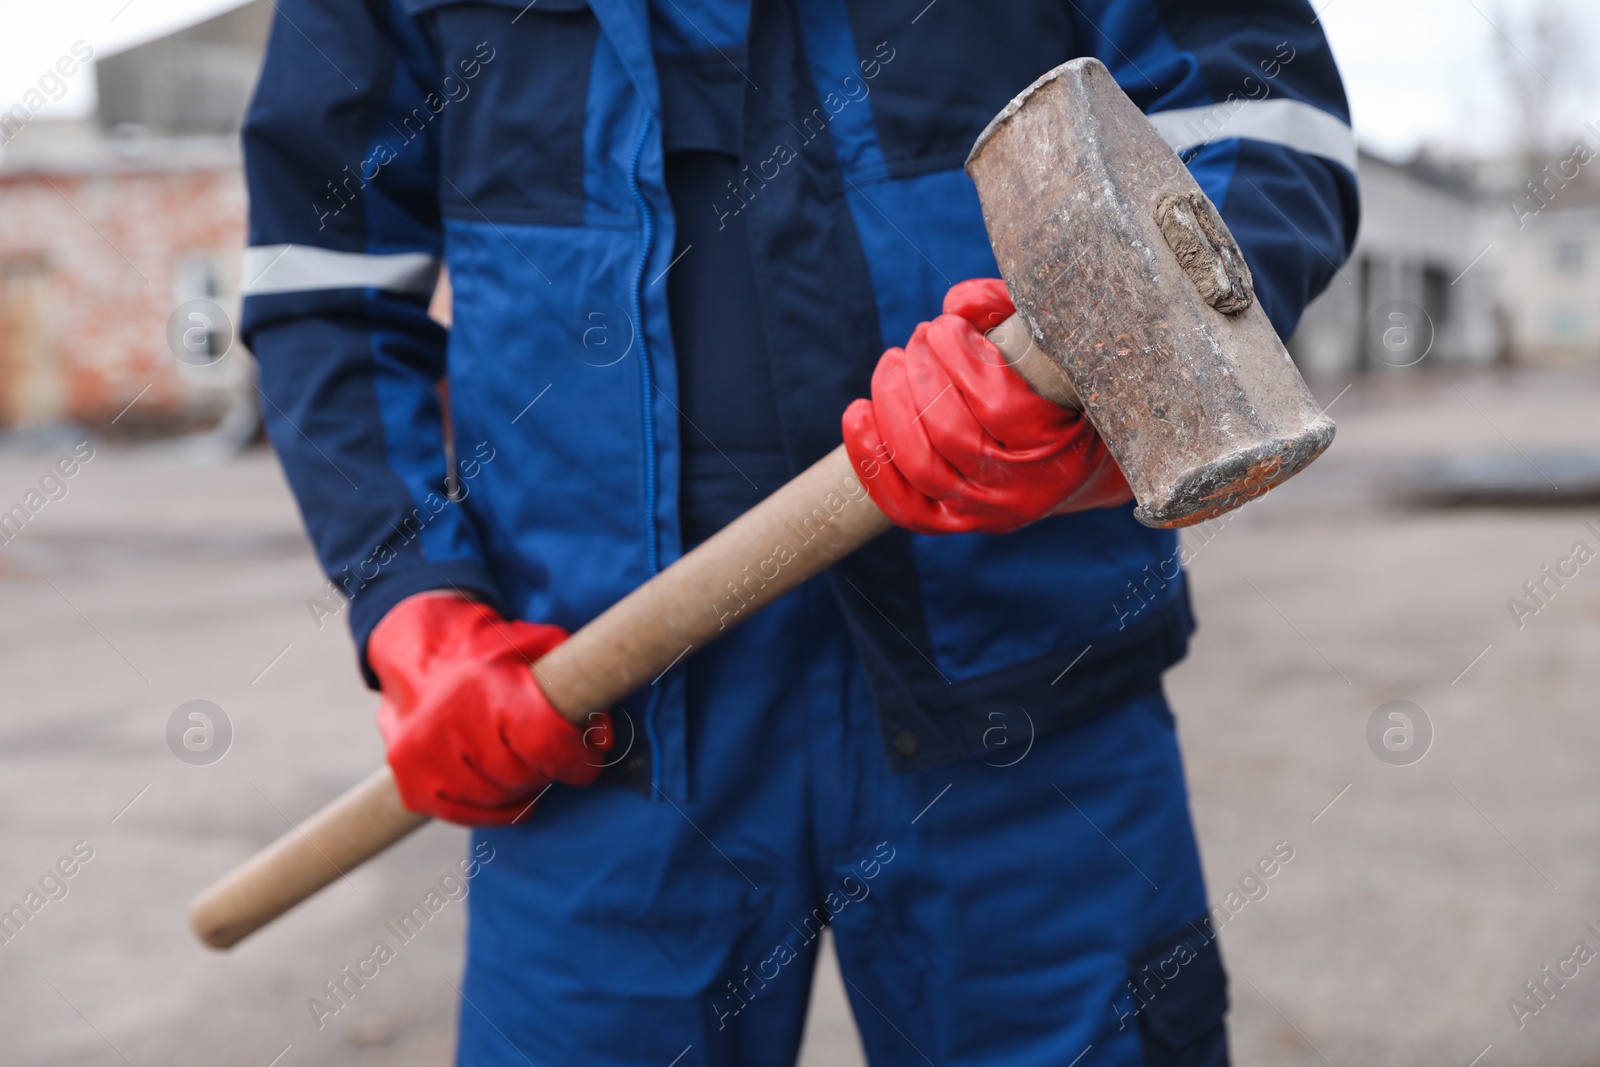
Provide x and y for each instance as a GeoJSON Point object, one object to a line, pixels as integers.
{"type": "Point", "coordinates": [1131, 283]}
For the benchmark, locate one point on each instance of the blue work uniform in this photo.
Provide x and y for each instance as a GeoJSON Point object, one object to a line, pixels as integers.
{"type": "Point", "coordinates": [604, 413]}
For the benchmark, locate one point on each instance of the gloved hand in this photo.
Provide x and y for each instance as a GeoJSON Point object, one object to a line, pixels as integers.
{"type": "Point", "coordinates": [470, 735]}
{"type": "Point", "coordinates": [954, 440]}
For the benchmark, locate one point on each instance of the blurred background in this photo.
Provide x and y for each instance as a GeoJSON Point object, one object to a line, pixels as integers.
{"type": "Point", "coordinates": [1396, 670]}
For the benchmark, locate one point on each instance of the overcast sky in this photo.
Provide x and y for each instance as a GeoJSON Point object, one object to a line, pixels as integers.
{"type": "Point", "coordinates": [1418, 71]}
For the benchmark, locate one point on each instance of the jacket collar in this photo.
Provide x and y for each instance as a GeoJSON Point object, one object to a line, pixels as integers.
{"type": "Point", "coordinates": [626, 24]}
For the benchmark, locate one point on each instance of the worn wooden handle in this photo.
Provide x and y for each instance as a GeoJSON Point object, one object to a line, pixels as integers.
{"type": "Point", "coordinates": [358, 825]}
{"type": "Point", "coordinates": [795, 534]}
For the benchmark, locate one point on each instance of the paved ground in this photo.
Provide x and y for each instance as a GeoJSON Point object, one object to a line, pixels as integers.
{"type": "Point", "coordinates": [1415, 905]}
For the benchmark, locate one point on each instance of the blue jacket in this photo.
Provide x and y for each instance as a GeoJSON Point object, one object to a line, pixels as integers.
{"type": "Point", "coordinates": [520, 144]}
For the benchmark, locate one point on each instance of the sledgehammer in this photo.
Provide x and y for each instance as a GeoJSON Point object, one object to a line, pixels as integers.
{"type": "Point", "coordinates": [1130, 293]}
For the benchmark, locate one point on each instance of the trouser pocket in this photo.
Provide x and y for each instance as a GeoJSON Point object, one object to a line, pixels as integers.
{"type": "Point", "coordinates": [1177, 995]}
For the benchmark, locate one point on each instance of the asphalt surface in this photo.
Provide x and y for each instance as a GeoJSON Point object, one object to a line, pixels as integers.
{"type": "Point", "coordinates": [1419, 900]}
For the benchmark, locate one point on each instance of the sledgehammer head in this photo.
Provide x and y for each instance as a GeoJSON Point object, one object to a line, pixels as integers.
{"type": "Point", "coordinates": [1131, 283]}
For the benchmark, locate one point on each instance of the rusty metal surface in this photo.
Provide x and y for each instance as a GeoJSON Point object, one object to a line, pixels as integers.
{"type": "Point", "coordinates": [1202, 408]}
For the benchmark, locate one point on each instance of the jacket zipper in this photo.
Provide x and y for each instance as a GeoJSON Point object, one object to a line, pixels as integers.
{"type": "Point", "coordinates": [647, 390]}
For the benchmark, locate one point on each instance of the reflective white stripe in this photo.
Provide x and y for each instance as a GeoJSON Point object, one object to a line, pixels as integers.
{"type": "Point", "coordinates": [297, 268]}
{"type": "Point", "coordinates": [1292, 123]}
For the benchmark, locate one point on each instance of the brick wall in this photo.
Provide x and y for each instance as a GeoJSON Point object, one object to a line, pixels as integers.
{"type": "Point", "coordinates": [93, 261]}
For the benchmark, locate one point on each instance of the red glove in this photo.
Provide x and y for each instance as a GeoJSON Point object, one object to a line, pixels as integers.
{"type": "Point", "coordinates": [470, 735]}
{"type": "Point", "coordinates": [955, 441]}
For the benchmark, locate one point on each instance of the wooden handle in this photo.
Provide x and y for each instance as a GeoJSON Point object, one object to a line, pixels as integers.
{"type": "Point", "coordinates": [795, 534]}
{"type": "Point", "coordinates": [1015, 342]}
{"type": "Point", "coordinates": [355, 827]}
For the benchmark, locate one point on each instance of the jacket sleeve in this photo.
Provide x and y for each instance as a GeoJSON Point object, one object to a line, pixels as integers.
{"type": "Point", "coordinates": [1248, 94]}
{"type": "Point", "coordinates": [341, 165]}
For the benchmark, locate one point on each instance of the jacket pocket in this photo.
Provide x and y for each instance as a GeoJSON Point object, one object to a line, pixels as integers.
{"type": "Point", "coordinates": [1178, 992]}
{"type": "Point", "coordinates": [935, 96]}
{"type": "Point", "coordinates": [516, 78]}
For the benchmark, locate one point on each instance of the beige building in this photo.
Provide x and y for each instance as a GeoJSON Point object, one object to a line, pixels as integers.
{"type": "Point", "coordinates": [1422, 284]}
{"type": "Point", "coordinates": [1551, 286]}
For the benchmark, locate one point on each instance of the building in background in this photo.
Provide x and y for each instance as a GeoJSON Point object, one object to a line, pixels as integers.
{"type": "Point", "coordinates": [194, 82]}
{"type": "Point", "coordinates": [1551, 285]}
{"type": "Point", "coordinates": [108, 225]}
{"type": "Point", "coordinates": [1423, 282]}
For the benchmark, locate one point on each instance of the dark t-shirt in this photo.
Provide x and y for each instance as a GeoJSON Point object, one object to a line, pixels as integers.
{"type": "Point", "coordinates": [728, 424]}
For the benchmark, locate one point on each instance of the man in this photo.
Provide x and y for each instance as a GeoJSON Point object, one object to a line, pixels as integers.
{"type": "Point", "coordinates": [680, 236]}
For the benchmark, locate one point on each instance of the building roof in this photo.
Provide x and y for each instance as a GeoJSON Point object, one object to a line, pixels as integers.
{"type": "Point", "coordinates": [78, 147]}
{"type": "Point", "coordinates": [170, 104]}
